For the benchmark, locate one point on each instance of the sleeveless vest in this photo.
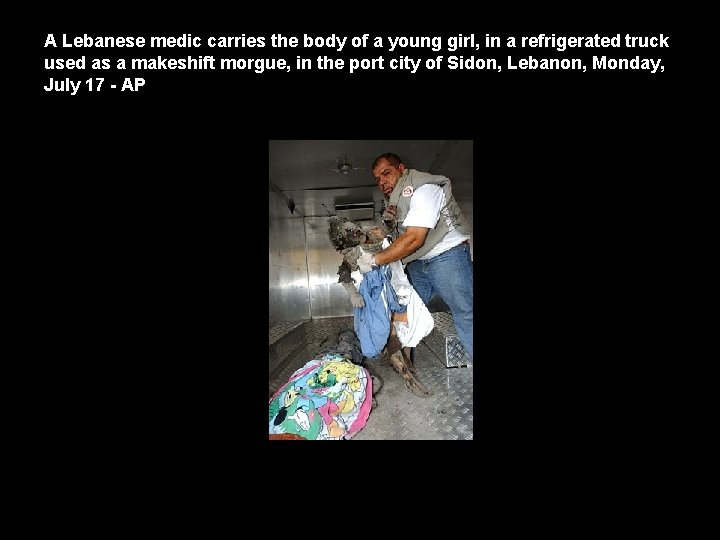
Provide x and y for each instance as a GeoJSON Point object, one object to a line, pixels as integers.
{"type": "Point", "coordinates": [401, 195]}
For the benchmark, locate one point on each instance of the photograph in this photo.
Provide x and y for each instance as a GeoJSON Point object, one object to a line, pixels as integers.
{"type": "Point", "coordinates": [370, 289]}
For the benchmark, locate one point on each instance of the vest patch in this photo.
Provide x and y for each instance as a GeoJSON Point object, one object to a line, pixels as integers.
{"type": "Point", "coordinates": [407, 191]}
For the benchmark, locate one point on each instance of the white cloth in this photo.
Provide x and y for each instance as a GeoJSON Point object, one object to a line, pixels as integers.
{"type": "Point", "coordinates": [400, 283]}
{"type": "Point", "coordinates": [425, 211]}
{"type": "Point", "coordinates": [399, 280]}
{"type": "Point", "coordinates": [420, 322]}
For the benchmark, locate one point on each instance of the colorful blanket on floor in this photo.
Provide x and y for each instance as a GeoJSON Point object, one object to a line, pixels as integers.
{"type": "Point", "coordinates": [327, 398]}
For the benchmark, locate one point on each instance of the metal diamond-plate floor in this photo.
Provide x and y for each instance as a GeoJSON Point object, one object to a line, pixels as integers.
{"type": "Point", "coordinates": [281, 329]}
{"type": "Point", "coordinates": [400, 414]}
{"type": "Point", "coordinates": [447, 414]}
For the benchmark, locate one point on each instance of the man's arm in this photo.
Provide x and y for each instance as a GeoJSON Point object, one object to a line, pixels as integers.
{"type": "Point", "coordinates": [423, 214]}
{"type": "Point", "coordinates": [405, 244]}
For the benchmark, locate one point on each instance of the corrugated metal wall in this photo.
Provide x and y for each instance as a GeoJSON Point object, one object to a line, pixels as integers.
{"type": "Point", "coordinates": [289, 292]}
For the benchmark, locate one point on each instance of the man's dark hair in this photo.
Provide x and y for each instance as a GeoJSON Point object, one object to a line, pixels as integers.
{"type": "Point", "coordinates": [394, 159]}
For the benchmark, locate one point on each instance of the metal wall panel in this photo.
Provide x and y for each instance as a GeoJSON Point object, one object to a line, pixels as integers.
{"type": "Point", "coordinates": [288, 278]}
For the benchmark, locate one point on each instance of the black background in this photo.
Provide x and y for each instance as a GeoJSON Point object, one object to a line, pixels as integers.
{"type": "Point", "coordinates": [150, 230]}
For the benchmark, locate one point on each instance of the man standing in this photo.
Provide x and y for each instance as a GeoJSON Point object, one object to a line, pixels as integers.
{"type": "Point", "coordinates": [431, 237]}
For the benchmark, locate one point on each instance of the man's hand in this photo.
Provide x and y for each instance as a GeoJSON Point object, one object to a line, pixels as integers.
{"type": "Point", "coordinates": [364, 262]}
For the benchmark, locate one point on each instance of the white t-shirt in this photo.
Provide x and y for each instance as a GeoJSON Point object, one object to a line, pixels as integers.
{"type": "Point", "coordinates": [425, 205]}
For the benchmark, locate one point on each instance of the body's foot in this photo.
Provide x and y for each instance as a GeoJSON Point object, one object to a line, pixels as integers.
{"type": "Point", "coordinates": [411, 383]}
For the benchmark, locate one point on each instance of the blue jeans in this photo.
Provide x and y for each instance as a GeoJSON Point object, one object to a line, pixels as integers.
{"type": "Point", "coordinates": [449, 275]}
